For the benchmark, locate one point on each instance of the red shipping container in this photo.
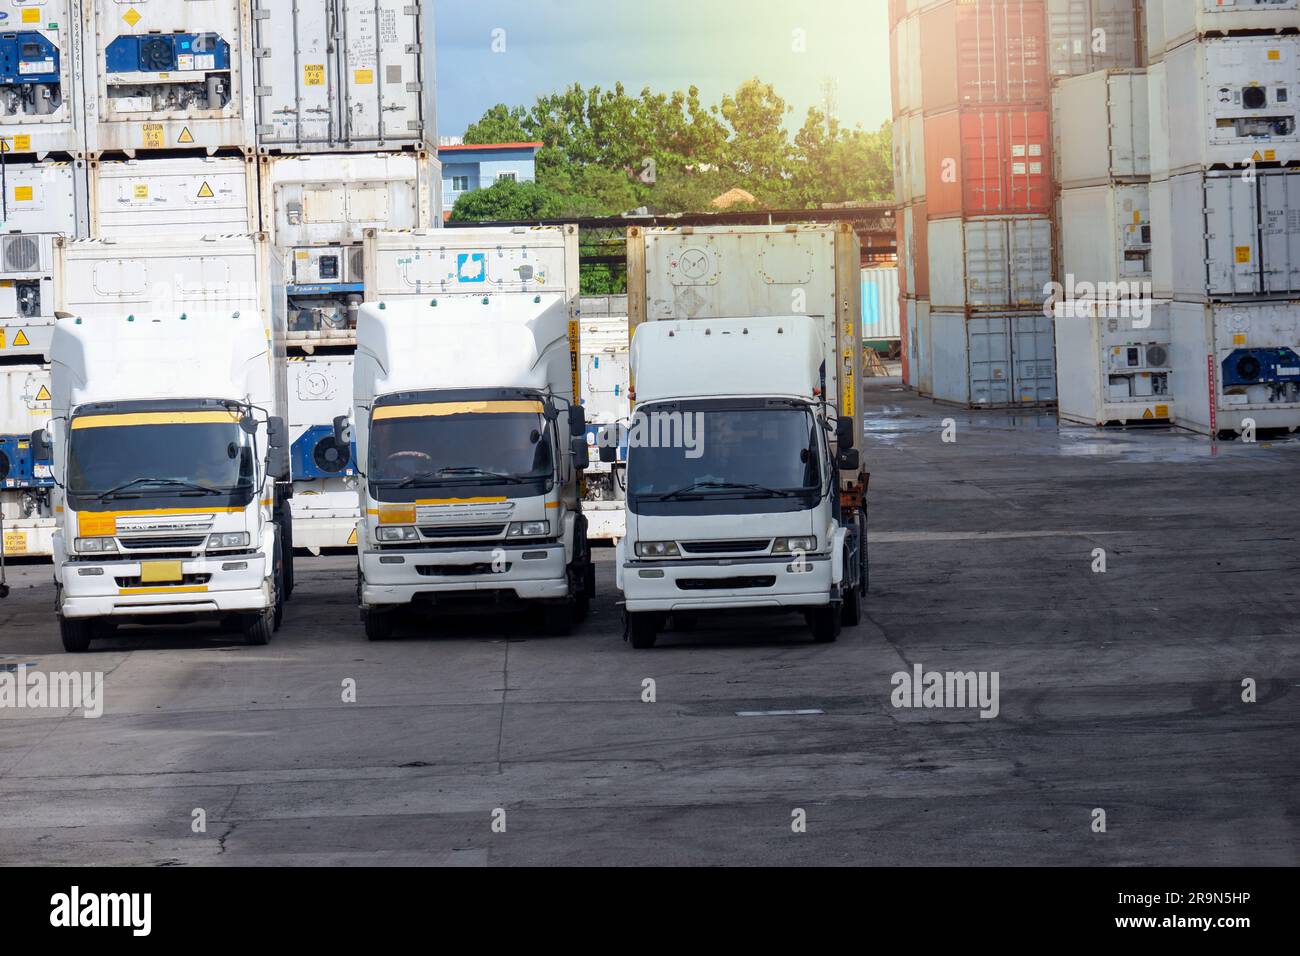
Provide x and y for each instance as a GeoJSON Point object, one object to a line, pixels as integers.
{"type": "Point", "coordinates": [984, 53]}
{"type": "Point", "coordinates": [988, 163]}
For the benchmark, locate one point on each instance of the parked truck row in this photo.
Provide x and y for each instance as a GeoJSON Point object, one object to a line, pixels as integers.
{"type": "Point", "coordinates": [167, 448]}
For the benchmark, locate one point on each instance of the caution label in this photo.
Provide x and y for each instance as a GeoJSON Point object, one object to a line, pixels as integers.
{"type": "Point", "coordinates": [205, 191]}
{"type": "Point", "coordinates": [21, 339]}
{"type": "Point", "coordinates": [1243, 254]}
{"type": "Point", "coordinates": [132, 16]}
{"type": "Point", "coordinates": [186, 136]}
{"type": "Point", "coordinates": [152, 136]}
{"type": "Point", "coordinates": [24, 194]}
{"type": "Point", "coordinates": [363, 77]}
{"type": "Point", "coordinates": [313, 74]}
{"type": "Point", "coordinates": [32, 15]}
{"type": "Point", "coordinates": [140, 191]}
{"type": "Point", "coordinates": [43, 395]}
{"type": "Point", "coordinates": [352, 538]}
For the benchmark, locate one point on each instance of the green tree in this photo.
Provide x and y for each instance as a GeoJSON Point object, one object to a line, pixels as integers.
{"type": "Point", "coordinates": [507, 201]}
{"type": "Point", "coordinates": [500, 124]}
{"type": "Point", "coordinates": [758, 150]}
{"type": "Point", "coordinates": [840, 165]}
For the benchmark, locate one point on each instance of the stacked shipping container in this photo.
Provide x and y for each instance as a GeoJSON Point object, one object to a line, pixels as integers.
{"type": "Point", "coordinates": [973, 146]}
{"type": "Point", "coordinates": [1225, 208]}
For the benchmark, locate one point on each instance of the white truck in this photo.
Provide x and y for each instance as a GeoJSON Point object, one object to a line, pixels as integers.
{"type": "Point", "coordinates": [166, 441]}
{"type": "Point", "coordinates": [471, 448]}
{"type": "Point", "coordinates": [744, 482]}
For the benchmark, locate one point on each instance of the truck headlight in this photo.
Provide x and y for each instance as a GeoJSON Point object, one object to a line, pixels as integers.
{"type": "Point", "coordinates": [94, 545]}
{"type": "Point", "coordinates": [805, 544]}
{"type": "Point", "coordinates": [657, 549]}
{"type": "Point", "coordinates": [528, 529]}
{"type": "Point", "coordinates": [228, 539]}
{"type": "Point", "coordinates": [397, 534]}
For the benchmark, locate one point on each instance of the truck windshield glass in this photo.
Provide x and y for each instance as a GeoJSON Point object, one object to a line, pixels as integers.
{"type": "Point", "coordinates": [158, 455]}
{"type": "Point", "coordinates": [459, 443]}
{"type": "Point", "coordinates": [735, 452]}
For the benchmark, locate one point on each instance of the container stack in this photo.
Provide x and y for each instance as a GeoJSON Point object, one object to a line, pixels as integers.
{"type": "Point", "coordinates": [1224, 96]}
{"type": "Point", "coordinates": [973, 145]}
{"type": "Point", "coordinates": [1112, 348]}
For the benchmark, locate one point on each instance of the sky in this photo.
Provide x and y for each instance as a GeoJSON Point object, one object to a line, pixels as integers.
{"type": "Point", "coordinates": [664, 44]}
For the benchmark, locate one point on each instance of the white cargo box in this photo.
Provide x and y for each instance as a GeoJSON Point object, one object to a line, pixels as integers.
{"type": "Point", "coordinates": [27, 298]}
{"type": "Point", "coordinates": [41, 107]}
{"type": "Point", "coordinates": [1113, 368]}
{"type": "Point", "coordinates": [1227, 235]}
{"type": "Point", "coordinates": [1084, 36]}
{"type": "Point", "coordinates": [174, 196]}
{"type": "Point", "coordinates": [992, 359]}
{"type": "Point", "coordinates": [1232, 101]}
{"type": "Point", "coordinates": [45, 196]}
{"type": "Point", "coordinates": [1184, 20]}
{"type": "Point", "coordinates": [1106, 236]}
{"type": "Point", "coordinates": [1102, 127]}
{"type": "Point", "coordinates": [474, 261]}
{"type": "Point", "coordinates": [346, 75]}
{"type": "Point", "coordinates": [1224, 339]}
{"type": "Point", "coordinates": [323, 200]}
{"type": "Point", "coordinates": [168, 74]}
{"type": "Point", "coordinates": [990, 262]}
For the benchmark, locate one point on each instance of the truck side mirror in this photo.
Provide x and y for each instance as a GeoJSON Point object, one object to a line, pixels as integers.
{"type": "Point", "coordinates": [42, 446]}
{"type": "Point", "coordinates": [581, 456]}
{"type": "Point", "coordinates": [342, 432]}
{"type": "Point", "coordinates": [844, 433]}
{"type": "Point", "coordinates": [577, 421]}
{"type": "Point", "coordinates": [848, 460]}
{"type": "Point", "coordinates": [607, 444]}
{"type": "Point", "coordinates": [277, 442]}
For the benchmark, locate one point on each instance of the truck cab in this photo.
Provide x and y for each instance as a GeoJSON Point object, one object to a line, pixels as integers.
{"type": "Point", "coordinates": [170, 467]}
{"type": "Point", "coordinates": [735, 459]}
{"type": "Point", "coordinates": [470, 447]}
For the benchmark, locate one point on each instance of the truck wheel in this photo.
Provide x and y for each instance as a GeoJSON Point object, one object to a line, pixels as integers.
{"type": "Point", "coordinates": [866, 564]}
{"type": "Point", "coordinates": [259, 626]}
{"type": "Point", "coordinates": [851, 609]}
{"type": "Point", "coordinates": [280, 593]}
{"type": "Point", "coordinates": [379, 626]}
{"type": "Point", "coordinates": [557, 619]}
{"type": "Point", "coordinates": [826, 624]}
{"type": "Point", "coordinates": [642, 630]}
{"type": "Point", "coordinates": [589, 579]}
{"type": "Point", "coordinates": [76, 634]}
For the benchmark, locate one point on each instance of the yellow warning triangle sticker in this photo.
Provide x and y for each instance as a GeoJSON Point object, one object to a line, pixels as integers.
{"type": "Point", "coordinates": [43, 395]}
{"type": "Point", "coordinates": [21, 339]}
{"type": "Point", "coordinates": [205, 191]}
{"type": "Point", "coordinates": [1256, 158]}
{"type": "Point", "coordinates": [186, 136]}
{"type": "Point", "coordinates": [1147, 414]}
{"type": "Point", "coordinates": [352, 538]}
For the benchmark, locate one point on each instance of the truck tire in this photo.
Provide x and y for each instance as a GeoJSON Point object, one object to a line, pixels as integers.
{"type": "Point", "coordinates": [76, 633]}
{"type": "Point", "coordinates": [642, 631]}
{"type": "Point", "coordinates": [851, 609]}
{"type": "Point", "coordinates": [825, 623]}
{"type": "Point", "coordinates": [379, 626]}
{"type": "Point", "coordinates": [558, 619]}
{"type": "Point", "coordinates": [280, 593]}
{"type": "Point", "coordinates": [259, 626]}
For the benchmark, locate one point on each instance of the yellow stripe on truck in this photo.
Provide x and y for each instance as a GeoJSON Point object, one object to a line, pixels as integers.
{"type": "Point", "coordinates": [184, 589]}
{"type": "Point", "coordinates": [102, 524]}
{"type": "Point", "coordinates": [435, 409]}
{"type": "Point", "coordinates": [154, 418]}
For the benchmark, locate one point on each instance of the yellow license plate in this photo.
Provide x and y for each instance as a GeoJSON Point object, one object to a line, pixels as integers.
{"type": "Point", "coordinates": [160, 572]}
{"type": "Point", "coordinates": [15, 542]}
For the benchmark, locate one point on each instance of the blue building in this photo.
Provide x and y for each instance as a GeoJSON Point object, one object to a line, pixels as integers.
{"type": "Point", "coordinates": [477, 166]}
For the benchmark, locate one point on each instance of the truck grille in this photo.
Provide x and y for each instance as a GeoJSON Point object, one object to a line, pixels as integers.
{"type": "Point", "coordinates": [722, 584]}
{"type": "Point", "coordinates": [186, 579]}
{"type": "Point", "coordinates": [459, 570]}
{"type": "Point", "coordinates": [175, 542]}
{"type": "Point", "coordinates": [726, 547]}
{"type": "Point", "coordinates": [464, 531]}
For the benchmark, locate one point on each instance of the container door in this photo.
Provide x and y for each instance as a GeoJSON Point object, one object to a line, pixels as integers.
{"type": "Point", "coordinates": [987, 257]}
{"type": "Point", "coordinates": [1034, 350]}
{"type": "Point", "coordinates": [297, 76]}
{"type": "Point", "coordinates": [1030, 248]}
{"type": "Point", "coordinates": [990, 360]}
{"type": "Point", "coordinates": [381, 72]}
{"type": "Point", "coordinates": [1232, 238]}
{"type": "Point", "coordinates": [1280, 230]}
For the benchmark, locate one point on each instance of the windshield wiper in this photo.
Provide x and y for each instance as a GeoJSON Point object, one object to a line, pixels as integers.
{"type": "Point", "coordinates": [693, 487]}
{"type": "Point", "coordinates": [451, 474]}
{"type": "Point", "coordinates": [195, 487]}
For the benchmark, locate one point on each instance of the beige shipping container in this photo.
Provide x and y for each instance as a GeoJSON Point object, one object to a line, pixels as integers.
{"type": "Point", "coordinates": [173, 196]}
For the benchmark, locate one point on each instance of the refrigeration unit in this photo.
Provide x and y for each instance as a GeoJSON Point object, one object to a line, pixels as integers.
{"type": "Point", "coordinates": [1114, 366]}
{"type": "Point", "coordinates": [41, 108]}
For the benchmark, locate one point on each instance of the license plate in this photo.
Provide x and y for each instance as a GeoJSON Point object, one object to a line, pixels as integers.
{"type": "Point", "coordinates": [15, 542]}
{"type": "Point", "coordinates": [160, 572]}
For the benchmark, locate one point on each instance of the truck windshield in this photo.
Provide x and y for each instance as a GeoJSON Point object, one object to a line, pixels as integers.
{"type": "Point", "coordinates": [461, 443]}
{"type": "Point", "coordinates": [159, 455]}
{"type": "Point", "coordinates": [733, 453]}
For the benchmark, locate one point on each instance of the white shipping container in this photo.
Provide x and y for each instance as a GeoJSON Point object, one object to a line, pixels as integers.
{"type": "Point", "coordinates": [1114, 368]}
{"type": "Point", "coordinates": [168, 74]}
{"type": "Point", "coordinates": [880, 319]}
{"type": "Point", "coordinates": [1106, 237]}
{"type": "Point", "coordinates": [1252, 352]}
{"type": "Point", "coordinates": [1103, 127]}
{"type": "Point", "coordinates": [1088, 35]}
{"type": "Point", "coordinates": [173, 196]}
{"type": "Point", "coordinates": [907, 52]}
{"type": "Point", "coordinates": [1184, 20]}
{"type": "Point", "coordinates": [920, 368]}
{"type": "Point", "coordinates": [331, 199]}
{"type": "Point", "coordinates": [993, 359]}
{"type": "Point", "coordinates": [1232, 101]}
{"type": "Point", "coordinates": [24, 490]}
{"type": "Point", "coordinates": [1227, 235]}
{"type": "Point", "coordinates": [990, 262]}
{"type": "Point", "coordinates": [914, 157]}
{"type": "Point", "coordinates": [347, 75]}
{"type": "Point", "coordinates": [27, 294]}
{"type": "Point", "coordinates": [1153, 26]}
{"type": "Point", "coordinates": [324, 505]}
{"type": "Point", "coordinates": [47, 196]}
{"type": "Point", "coordinates": [41, 106]}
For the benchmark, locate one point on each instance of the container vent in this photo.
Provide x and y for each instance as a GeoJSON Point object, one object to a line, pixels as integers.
{"type": "Point", "coordinates": [1157, 355]}
{"type": "Point", "coordinates": [329, 457]}
{"type": "Point", "coordinates": [357, 264]}
{"type": "Point", "coordinates": [21, 254]}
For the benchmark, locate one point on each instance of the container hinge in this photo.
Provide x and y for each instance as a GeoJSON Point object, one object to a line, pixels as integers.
{"type": "Point", "coordinates": [261, 13]}
{"type": "Point", "coordinates": [261, 52]}
{"type": "Point", "coordinates": [412, 48]}
{"type": "Point", "coordinates": [261, 91]}
{"type": "Point", "coordinates": [265, 130]}
{"type": "Point", "coordinates": [414, 87]}
{"type": "Point", "coordinates": [414, 126]}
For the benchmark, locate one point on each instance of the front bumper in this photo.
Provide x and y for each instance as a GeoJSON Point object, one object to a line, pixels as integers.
{"type": "Point", "coordinates": [535, 572]}
{"type": "Point", "coordinates": [696, 584]}
{"type": "Point", "coordinates": [113, 592]}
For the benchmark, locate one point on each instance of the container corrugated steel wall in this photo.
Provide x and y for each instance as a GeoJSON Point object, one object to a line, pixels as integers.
{"type": "Point", "coordinates": [984, 53]}
{"type": "Point", "coordinates": [880, 320]}
{"type": "Point", "coordinates": [988, 163]}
